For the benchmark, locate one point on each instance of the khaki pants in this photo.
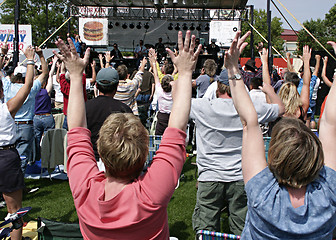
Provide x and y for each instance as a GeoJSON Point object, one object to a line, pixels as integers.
{"type": "Point", "coordinates": [212, 197]}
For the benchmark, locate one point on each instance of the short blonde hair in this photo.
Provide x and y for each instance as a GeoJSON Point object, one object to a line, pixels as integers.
{"type": "Point", "coordinates": [123, 146]}
{"type": "Point", "coordinates": [295, 154]}
{"type": "Point", "coordinates": [290, 97]}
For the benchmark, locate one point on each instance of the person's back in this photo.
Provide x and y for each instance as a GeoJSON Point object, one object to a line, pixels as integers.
{"type": "Point", "coordinates": [292, 195]}
{"type": "Point", "coordinates": [121, 204]}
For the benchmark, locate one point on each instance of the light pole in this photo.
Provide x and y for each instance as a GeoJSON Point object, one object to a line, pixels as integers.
{"type": "Point", "coordinates": [47, 23]}
{"type": "Point", "coordinates": [16, 30]}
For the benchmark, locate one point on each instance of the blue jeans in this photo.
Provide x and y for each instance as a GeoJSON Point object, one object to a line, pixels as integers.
{"type": "Point", "coordinates": [65, 123]}
{"type": "Point", "coordinates": [25, 143]}
{"type": "Point", "coordinates": [42, 123]}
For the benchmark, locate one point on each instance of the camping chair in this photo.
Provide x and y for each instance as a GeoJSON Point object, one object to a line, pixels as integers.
{"type": "Point", "coordinates": [53, 147]}
{"type": "Point", "coordinates": [209, 235]}
{"type": "Point", "coordinates": [52, 230]}
{"type": "Point", "coordinates": [154, 143]}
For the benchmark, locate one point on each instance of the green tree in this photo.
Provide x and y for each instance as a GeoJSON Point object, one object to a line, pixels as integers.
{"type": "Point", "coordinates": [33, 12]}
{"type": "Point", "coordinates": [260, 23]}
{"type": "Point", "coordinates": [323, 30]}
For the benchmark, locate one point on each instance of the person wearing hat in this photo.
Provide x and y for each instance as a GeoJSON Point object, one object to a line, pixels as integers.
{"type": "Point", "coordinates": [219, 144]}
{"type": "Point", "coordinates": [24, 117]}
{"type": "Point", "coordinates": [99, 108]}
{"type": "Point", "coordinates": [250, 71]}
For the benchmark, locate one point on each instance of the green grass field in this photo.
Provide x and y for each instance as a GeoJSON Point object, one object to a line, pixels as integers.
{"type": "Point", "coordinates": [53, 200]}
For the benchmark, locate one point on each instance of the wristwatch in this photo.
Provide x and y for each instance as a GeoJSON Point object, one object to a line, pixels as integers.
{"type": "Point", "coordinates": [236, 76]}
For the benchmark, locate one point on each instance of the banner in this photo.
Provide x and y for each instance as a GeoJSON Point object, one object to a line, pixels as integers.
{"type": "Point", "coordinates": [7, 35]}
{"type": "Point", "coordinates": [224, 32]}
{"type": "Point", "coordinates": [93, 31]}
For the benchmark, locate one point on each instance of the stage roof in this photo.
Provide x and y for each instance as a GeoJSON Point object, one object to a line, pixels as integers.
{"type": "Point", "coordinates": [207, 4]}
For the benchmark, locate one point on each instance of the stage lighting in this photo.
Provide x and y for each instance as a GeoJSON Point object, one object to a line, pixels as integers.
{"type": "Point", "coordinates": [207, 27]}
{"type": "Point", "coordinates": [175, 1]}
{"type": "Point", "coordinates": [170, 27]}
{"type": "Point", "coordinates": [117, 24]}
{"type": "Point", "coordinates": [199, 27]}
{"type": "Point", "coordinates": [192, 27]}
{"type": "Point", "coordinates": [177, 27]}
{"type": "Point", "coordinates": [138, 26]}
{"type": "Point", "coordinates": [146, 26]}
{"type": "Point", "coordinates": [165, 2]}
{"type": "Point", "coordinates": [156, 2]}
{"type": "Point", "coordinates": [110, 25]}
{"type": "Point", "coordinates": [185, 27]}
{"type": "Point", "coordinates": [131, 26]}
{"type": "Point", "coordinates": [124, 26]}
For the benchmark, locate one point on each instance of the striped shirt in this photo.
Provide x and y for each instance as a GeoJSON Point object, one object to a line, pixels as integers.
{"type": "Point", "coordinates": [127, 89]}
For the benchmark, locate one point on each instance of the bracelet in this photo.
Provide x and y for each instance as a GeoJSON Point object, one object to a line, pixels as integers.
{"type": "Point", "coordinates": [30, 62]}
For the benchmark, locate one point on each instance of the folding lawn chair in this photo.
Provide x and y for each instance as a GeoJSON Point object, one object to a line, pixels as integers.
{"type": "Point", "coordinates": [52, 230]}
{"type": "Point", "coordinates": [209, 235]}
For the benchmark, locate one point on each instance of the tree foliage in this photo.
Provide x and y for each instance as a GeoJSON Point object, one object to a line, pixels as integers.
{"type": "Point", "coordinates": [260, 23]}
{"type": "Point", "coordinates": [33, 12]}
{"type": "Point", "coordinates": [323, 30]}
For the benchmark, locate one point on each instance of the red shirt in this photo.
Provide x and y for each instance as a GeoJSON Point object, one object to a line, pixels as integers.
{"type": "Point", "coordinates": [139, 211]}
{"type": "Point", "coordinates": [65, 89]}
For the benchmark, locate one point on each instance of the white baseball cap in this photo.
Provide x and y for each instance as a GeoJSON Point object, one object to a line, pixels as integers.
{"type": "Point", "coordinates": [20, 69]}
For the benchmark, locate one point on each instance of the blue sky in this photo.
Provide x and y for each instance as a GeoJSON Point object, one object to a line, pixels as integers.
{"type": "Point", "coordinates": [302, 9]}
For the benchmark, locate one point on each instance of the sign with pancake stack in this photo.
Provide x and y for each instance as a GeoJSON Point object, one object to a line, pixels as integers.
{"type": "Point", "coordinates": [93, 31]}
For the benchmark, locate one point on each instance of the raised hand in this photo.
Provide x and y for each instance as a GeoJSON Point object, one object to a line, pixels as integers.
{"type": "Point", "coordinates": [29, 52]}
{"type": "Point", "coordinates": [333, 44]}
{"type": "Point", "coordinates": [4, 48]}
{"type": "Point", "coordinates": [39, 51]}
{"type": "Point", "coordinates": [70, 57]}
{"type": "Point", "coordinates": [264, 56]}
{"type": "Point", "coordinates": [306, 55]}
{"type": "Point", "coordinates": [186, 59]}
{"type": "Point", "coordinates": [236, 48]}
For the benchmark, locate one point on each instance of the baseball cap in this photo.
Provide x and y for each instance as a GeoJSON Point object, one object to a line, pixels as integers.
{"type": "Point", "coordinates": [20, 69]}
{"type": "Point", "coordinates": [107, 77]}
{"type": "Point", "coordinates": [224, 77]}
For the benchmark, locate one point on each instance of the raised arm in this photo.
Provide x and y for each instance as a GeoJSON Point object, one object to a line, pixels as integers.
{"type": "Point", "coordinates": [304, 96]}
{"type": "Point", "coordinates": [45, 70]}
{"type": "Point", "coordinates": [16, 102]}
{"type": "Point", "coordinates": [94, 73]}
{"type": "Point", "coordinates": [51, 74]}
{"type": "Point", "coordinates": [324, 72]}
{"type": "Point", "coordinates": [317, 64]}
{"type": "Point", "coordinates": [4, 51]}
{"type": "Point", "coordinates": [253, 152]}
{"type": "Point", "coordinates": [289, 64]}
{"type": "Point", "coordinates": [108, 58]}
{"type": "Point", "coordinates": [75, 65]}
{"type": "Point", "coordinates": [152, 59]}
{"type": "Point", "coordinates": [185, 62]}
{"type": "Point", "coordinates": [100, 56]}
{"type": "Point", "coordinates": [327, 132]}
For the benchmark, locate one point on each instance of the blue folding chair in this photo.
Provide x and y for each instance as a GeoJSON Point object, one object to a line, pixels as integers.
{"type": "Point", "coordinates": [209, 235]}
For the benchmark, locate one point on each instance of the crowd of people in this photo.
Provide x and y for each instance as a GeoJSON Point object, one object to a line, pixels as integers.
{"type": "Point", "coordinates": [288, 196]}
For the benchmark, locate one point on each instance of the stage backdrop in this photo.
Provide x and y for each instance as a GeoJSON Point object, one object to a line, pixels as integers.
{"type": "Point", "coordinates": [7, 35]}
{"type": "Point", "coordinates": [93, 31]}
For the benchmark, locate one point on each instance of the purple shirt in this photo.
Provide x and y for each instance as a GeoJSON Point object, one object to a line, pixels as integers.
{"type": "Point", "coordinates": [42, 102]}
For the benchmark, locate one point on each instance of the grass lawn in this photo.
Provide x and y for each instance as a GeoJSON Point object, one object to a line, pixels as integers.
{"type": "Point", "coordinates": [54, 201]}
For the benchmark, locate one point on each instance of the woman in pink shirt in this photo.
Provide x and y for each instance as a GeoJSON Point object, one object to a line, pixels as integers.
{"type": "Point", "coordinates": [122, 204]}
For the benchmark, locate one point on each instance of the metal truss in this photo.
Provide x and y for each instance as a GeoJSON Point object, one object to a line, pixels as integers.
{"type": "Point", "coordinates": [153, 13]}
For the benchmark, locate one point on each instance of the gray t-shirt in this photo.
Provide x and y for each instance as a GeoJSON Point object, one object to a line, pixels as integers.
{"type": "Point", "coordinates": [271, 215]}
{"type": "Point", "coordinates": [219, 137]}
{"type": "Point", "coordinates": [202, 83]}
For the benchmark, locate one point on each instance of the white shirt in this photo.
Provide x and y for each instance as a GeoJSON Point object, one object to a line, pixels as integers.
{"type": "Point", "coordinates": [7, 126]}
{"type": "Point", "coordinates": [57, 88]}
